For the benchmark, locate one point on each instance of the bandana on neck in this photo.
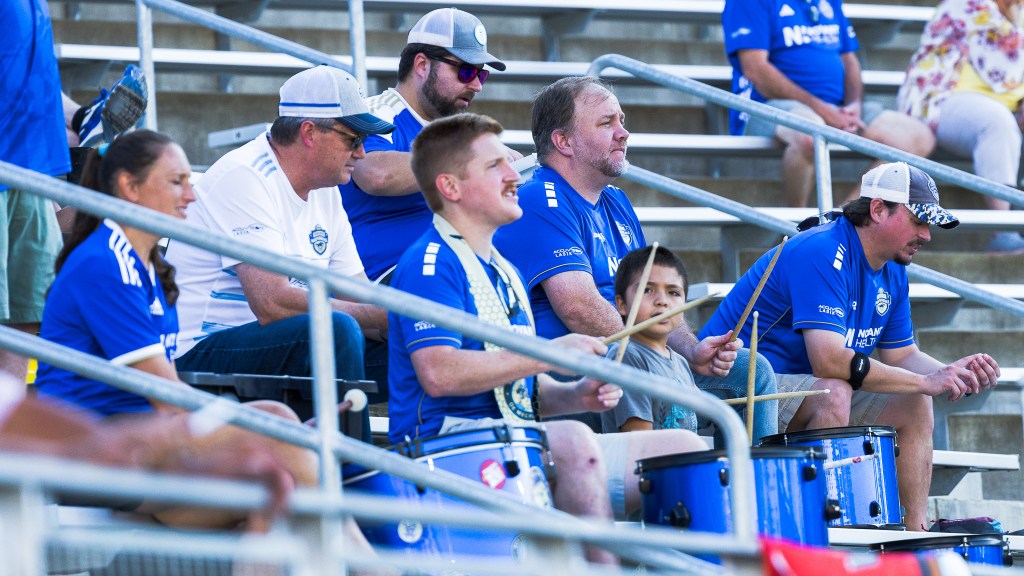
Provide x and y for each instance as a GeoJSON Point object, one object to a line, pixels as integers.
{"type": "Point", "coordinates": [513, 398]}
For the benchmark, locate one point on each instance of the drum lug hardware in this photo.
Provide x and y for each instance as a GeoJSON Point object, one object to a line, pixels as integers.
{"type": "Point", "coordinates": [874, 509]}
{"type": "Point", "coordinates": [869, 448]}
{"type": "Point", "coordinates": [644, 485]}
{"type": "Point", "coordinates": [512, 468]}
{"type": "Point", "coordinates": [810, 473]}
{"type": "Point", "coordinates": [896, 451]}
{"type": "Point", "coordinates": [832, 510]}
{"type": "Point", "coordinates": [723, 476]}
{"type": "Point", "coordinates": [679, 517]}
{"type": "Point", "coordinates": [1007, 557]}
{"type": "Point", "coordinates": [503, 434]}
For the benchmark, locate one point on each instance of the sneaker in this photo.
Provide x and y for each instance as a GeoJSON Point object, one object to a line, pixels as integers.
{"type": "Point", "coordinates": [1006, 243]}
{"type": "Point", "coordinates": [116, 111]}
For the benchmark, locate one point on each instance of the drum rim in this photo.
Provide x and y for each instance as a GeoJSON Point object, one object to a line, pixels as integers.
{"type": "Point", "coordinates": [942, 542]}
{"type": "Point", "coordinates": [783, 438]}
{"type": "Point", "coordinates": [519, 434]}
{"type": "Point", "coordinates": [706, 456]}
{"type": "Point", "coordinates": [363, 472]}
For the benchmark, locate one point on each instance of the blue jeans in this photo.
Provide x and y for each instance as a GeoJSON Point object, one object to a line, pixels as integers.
{"type": "Point", "coordinates": [280, 348]}
{"type": "Point", "coordinates": [766, 414]}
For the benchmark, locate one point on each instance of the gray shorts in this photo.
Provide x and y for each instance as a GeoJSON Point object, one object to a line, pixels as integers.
{"type": "Point", "coordinates": [613, 449]}
{"type": "Point", "coordinates": [865, 407]}
{"type": "Point", "coordinates": [758, 126]}
{"type": "Point", "coordinates": [29, 242]}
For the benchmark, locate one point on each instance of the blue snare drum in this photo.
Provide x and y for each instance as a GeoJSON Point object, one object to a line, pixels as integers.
{"type": "Point", "coordinates": [976, 548]}
{"type": "Point", "coordinates": [504, 458]}
{"type": "Point", "coordinates": [867, 492]}
{"type": "Point", "coordinates": [691, 491]}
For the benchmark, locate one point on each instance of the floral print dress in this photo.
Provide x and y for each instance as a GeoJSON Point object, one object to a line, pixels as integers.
{"type": "Point", "coordinates": [962, 31]}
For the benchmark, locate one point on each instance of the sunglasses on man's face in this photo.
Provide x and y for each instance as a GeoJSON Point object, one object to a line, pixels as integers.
{"type": "Point", "coordinates": [467, 72]}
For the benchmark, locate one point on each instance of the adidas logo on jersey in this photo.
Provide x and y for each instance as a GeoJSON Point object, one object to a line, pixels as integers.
{"type": "Point", "coordinates": [786, 11]}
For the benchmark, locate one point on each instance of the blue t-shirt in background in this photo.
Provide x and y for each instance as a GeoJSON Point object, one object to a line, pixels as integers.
{"type": "Point", "coordinates": [32, 115]}
{"type": "Point", "coordinates": [805, 40]}
{"type": "Point", "coordinates": [384, 226]}
{"type": "Point", "coordinates": [561, 231]}
{"type": "Point", "coordinates": [822, 281]}
{"type": "Point", "coordinates": [104, 302]}
{"type": "Point", "coordinates": [430, 269]}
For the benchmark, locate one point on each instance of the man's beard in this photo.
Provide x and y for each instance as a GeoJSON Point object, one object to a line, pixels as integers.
{"type": "Point", "coordinates": [442, 107]}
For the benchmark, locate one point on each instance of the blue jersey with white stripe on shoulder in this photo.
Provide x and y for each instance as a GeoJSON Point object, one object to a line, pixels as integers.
{"type": "Point", "coordinates": [384, 226]}
{"type": "Point", "coordinates": [430, 269]}
{"type": "Point", "coordinates": [561, 231]}
{"type": "Point", "coordinates": [805, 41]}
{"type": "Point", "coordinates": [104, 302]}
{"type": "Point", "coordinates": [822, 281]}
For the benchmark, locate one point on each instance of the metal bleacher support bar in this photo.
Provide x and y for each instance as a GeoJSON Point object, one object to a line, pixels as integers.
{"type": "Point", "coordinates": [742, 541]}
{"type": "Point", "coordinates": [822, 134]}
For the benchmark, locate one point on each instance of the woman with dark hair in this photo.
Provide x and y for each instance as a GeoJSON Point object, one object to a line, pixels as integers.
{"type": "Point", "coordinates": [114, 296]}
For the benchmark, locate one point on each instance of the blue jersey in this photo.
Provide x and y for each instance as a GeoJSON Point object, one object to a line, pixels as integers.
{"type": "Point", "coordinates": [822, 281]}
{"type": "Point", "coordinates": [804, 40]}
{"type": "Point", "coordinates": [430, 269]}
{"type": "Point", "coordinates": [384, 226]}
{"type": "Point", "coordinates": [32, 115]}
{"type": "Point", "coordinates": [104, 302]}
{"type": "Point", "coordinates": [561, 231]}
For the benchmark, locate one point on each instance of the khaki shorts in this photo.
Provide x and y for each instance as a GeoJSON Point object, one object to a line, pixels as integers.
{"type": "Point", "coordinates": [613, 449]}
{"type": "Point", "coordinates": [758, 126]}
{"type": "Point", "coordinates": [865, 407]}
{"type": "Point", "coordinates": [29, 243]}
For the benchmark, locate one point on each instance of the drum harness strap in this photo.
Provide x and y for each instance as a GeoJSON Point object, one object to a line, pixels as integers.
{"type": "Point", "coordinates": [514, 399]}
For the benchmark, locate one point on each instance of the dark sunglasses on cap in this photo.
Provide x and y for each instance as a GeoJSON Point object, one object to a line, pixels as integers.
{"type": "Point", "coordinates": [467, 72]}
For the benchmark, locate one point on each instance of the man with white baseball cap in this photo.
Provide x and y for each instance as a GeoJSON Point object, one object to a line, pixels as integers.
{"type": "Point", "coordinates": [277, 193]}
{"type": "Point", "coordinates": [838, 293]}
{"type": "Point", "coordinates": [441, 70]}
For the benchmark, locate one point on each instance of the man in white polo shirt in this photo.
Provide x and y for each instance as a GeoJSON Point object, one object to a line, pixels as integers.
{"type": "Point", "coordinates": [278, 193]}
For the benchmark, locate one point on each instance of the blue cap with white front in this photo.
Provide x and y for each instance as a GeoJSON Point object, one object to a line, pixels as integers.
{"type": "Point", "coordinates": [328, 92]}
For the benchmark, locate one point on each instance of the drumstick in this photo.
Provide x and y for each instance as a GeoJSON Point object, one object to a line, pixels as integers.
{"type": "Point", "coordinates": [779, 396]}
{"type": "Point", "coordinates": [751, 376]}
{"type": "Point", "coordinates": [654, 320]}
{"type": "Point", "coordinates": [638, 296]}
{"type": "Point", "coordinates": [757, 290]}
{"type": "Point", "coordinates": [850, 461]}
{"type": "Point", "coordinates": [355, 400]}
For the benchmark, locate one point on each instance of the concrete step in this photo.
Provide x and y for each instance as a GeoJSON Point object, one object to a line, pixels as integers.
{"type": "Point", "coordinates": [1010, 513]}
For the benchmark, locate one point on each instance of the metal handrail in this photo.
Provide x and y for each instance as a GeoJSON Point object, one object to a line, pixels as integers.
{"type": "Point", "coordinates": [742, 488]}
{"type": "Point", "coordinates": [242, 32]}
{"type": "Point", "coordinates": [821, 133]}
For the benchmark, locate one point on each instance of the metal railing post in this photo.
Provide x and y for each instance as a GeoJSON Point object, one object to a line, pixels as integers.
{"type": "Point", "coordinates": [145, 39]}
{"type": "Point", "coordinates": [325, 391]}
{"type": "Point", "coordinates": [22, 531]}
{"type": "Point", "coordinates": [823, 173]}
{"type": "Point", "coordinates": [357, 41]}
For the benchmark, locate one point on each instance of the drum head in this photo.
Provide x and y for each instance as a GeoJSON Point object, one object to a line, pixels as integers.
{"type": "Point", "coordinates": [827, 434]}
{"type": "Point", "coordinates": [703, 457]}
{"type": "Point", "coordinates": [940, 543]}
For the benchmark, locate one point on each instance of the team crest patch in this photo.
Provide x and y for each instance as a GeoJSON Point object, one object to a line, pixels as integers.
{"type": "Point", "coordinates": [882, 302]}
{"type": "Point", "coordinates": [826, 10]}
{"type": "Point", "coordinates": [625, 232]}
{"type": "Point", "coordinates": [318, 238]}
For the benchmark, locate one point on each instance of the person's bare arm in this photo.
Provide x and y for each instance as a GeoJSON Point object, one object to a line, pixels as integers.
{"type": "Point", "coordinates": [385, 173]}
{"type": "Point", "coordinates": [853, 85]}
{"type": "Point", "coordinates": [773, 84]}
{"type": "Point", "coordinates": [636, 425]}
{"type": "Point", "coordinates": [578, 304]}
{"type": "Point", "coordinates": [449, 371]}
{"type": "Point", "coordinates": [830, 358]}
{"type": "Point", "coordinates": [272, 298]}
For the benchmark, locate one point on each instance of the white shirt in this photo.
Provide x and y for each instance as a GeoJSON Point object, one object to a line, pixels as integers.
{"type": "Point", "coordinates": [247, 196]}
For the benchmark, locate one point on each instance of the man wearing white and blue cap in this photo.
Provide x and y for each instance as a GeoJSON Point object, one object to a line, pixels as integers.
{"type": "Point", "coordinates": [838, 293]}
{"type": "Point", "coordinates": [443, 66]}
{"type": "Point", "coordinates": [277, 193]}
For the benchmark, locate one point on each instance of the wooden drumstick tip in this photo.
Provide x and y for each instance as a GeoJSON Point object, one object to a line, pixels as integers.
{"type": "Point", "coordinates": [357, 398]}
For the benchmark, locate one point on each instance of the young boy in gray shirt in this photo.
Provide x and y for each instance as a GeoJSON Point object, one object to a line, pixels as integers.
{"type": "Point", "coordinates": [648, 350]}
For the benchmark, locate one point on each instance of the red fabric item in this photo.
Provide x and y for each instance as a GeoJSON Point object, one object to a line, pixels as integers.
{"type": "Point", "coordinates": [782, 558]}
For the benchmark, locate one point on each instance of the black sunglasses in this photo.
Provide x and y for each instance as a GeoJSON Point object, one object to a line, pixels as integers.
{"type": "Point", "coordinates": [467, 72]}
{"type": "Point", "coordinates": [507, 296]}
{"type": "Point", "coordinates": [354, 140]}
